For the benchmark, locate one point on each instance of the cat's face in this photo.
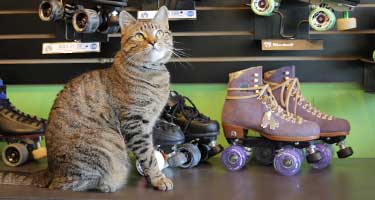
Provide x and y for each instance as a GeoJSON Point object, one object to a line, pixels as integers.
{"type": "Point", "coordinates": [146, 43]}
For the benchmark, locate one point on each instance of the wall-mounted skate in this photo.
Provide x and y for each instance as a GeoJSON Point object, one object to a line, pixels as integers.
{"type": "Point", "coordinates": [81, 21]}
{"type": "Point", "coordinates": [294, 17]}
{"type": "Point", "coordinates": [289, 29]}
{"type": "Point", "coordinates": [178, 9]}
{"type": "Point", "coordinates": [321, 17]}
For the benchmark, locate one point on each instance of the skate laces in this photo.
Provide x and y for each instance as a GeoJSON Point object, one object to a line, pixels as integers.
{"type": "Point", "coordinates": [264, 94]}
{"type": "Point", "coordinates": [189, 112]}
{"type": "Point", "coordinates": [17, 114]}
{"type": "Point", "coordinates": [293, 90]}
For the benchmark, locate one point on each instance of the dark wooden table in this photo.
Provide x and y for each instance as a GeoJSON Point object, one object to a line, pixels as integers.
{"type": "Point", "coordinates": [344, 179]}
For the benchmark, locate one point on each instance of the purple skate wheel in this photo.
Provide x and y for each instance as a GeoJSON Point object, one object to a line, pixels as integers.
{"type": "Point", "coordinates": [287, 162]}
{"type": "Point", "coordinates": [326, 152]}
{"type": "Point", "coordinates": [301, 154]}
{"type": "Point", "coordinates": [233, 158]}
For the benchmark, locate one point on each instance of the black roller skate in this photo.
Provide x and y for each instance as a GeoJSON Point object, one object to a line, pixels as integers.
{"type": "Point", "coordinates": [170, 150]}
{"type": "Point", "coordinates": [84, 17]}
{"type": "Point", "coordinates": [198, 128]}
{"type": "Point", "coordinates": [22, 132]}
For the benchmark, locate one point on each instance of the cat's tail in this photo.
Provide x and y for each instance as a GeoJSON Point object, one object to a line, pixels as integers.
{"type": "Point", "coordinates": [39, 179]}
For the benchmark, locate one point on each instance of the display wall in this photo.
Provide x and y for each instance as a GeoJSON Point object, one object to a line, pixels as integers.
{"type": "Point", "coordinates": [219, 42]}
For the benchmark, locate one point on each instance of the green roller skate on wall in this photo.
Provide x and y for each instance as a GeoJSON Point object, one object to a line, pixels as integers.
{"type": "Point", "coordinates": [323, 18]}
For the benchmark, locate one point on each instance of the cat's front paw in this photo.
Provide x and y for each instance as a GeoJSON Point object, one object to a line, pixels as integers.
{"type": "Point", "coordinates": [162, 183]}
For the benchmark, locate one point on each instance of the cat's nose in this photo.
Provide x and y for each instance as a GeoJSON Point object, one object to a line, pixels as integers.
{"type": "Point", "coordinates": [152, 43]}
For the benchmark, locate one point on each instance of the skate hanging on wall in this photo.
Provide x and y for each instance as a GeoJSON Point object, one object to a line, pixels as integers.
{"type": "Point", "coordinates": [295, 19]}
{"type": "Point", "coordinates": [178, 9]}
{"type": "Point", "coordinates": [322, 14]}
{"type": "Point", "coordinates": [289, 30]}
{"type": "Point", "coordinates": [87, 23]}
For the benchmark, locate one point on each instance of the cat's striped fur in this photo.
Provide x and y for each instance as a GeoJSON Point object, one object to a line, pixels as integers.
{"type": "Point", "coordinates": [101, 115]}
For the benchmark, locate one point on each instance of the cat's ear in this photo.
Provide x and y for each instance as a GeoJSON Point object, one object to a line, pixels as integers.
{"type": "Point", "coordinates": [125, 19]}
{"type": "Point", "coordinates": [161, 17]}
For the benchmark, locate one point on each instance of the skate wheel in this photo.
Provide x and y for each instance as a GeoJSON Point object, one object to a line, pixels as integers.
{"type": "Point", "coordinates": [287, 162]}
{"type": "Point", "coordinates": [86, 21]}
{"type": "Point", "coordinates": [313, 157]}
{"type": "Point", "coordinates": [301, 154]}
{"type": "Point", "coordinates": [234, 158]}
{"type": "Point", "coordinates": [159, 159]}
{"type": "Point", "coordinates": [51, 10]}
{"type": "Point", "coordinates": [263, 7]}
{"type": "Point", "coordinates": [177, 160]}
{"type": "Point", "coordinates": [346, 24]}
{"type": "Point", "coordinates": [344, 153]}
{"type": "Point", "coordinates": [326, 153]}
{"type": "Point", "coordinates": [15, 154]}
{"type": "Point", "coordinates": [192, 154]}
{"type": "Point", "coordinates": [322, 19]}
{"type": "Point", "coordinates": [205, 152]}
{"type": "Point", "coordinates": [39, 153]}
{"type": "Point", "coordinates": [111, 25]}
{"type": "Point", "coordinates": [264, 155]}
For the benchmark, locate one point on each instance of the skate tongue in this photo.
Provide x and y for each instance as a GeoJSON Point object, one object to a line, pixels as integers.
{"type": "Point", "coordinates": [278, 75]}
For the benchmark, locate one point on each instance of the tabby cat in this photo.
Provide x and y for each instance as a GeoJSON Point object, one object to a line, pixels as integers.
{"type": "Point", "coordinates": [102, 114]}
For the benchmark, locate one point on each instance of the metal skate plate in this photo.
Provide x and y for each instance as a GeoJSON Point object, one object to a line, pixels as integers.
{"type": "Point", "coordinates": [337, 5]}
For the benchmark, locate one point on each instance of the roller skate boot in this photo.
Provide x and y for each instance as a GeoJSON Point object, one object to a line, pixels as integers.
{"type": "Point", "coordinates": [198, 128]}
{"type": "Point", "coordinates": [285, 86]}
{"type": "Point", "coordinates": [170, 150]}
{"type": "Point", "coordinates": [22, 132]}
{"type": "Point", "coordinates": [253, 122]}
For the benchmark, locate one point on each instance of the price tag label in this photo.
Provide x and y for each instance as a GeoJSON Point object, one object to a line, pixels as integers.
{"type": "Point", "coordinates": [172, 14]}
{"type": "Point", "coordinates": [70, 47]}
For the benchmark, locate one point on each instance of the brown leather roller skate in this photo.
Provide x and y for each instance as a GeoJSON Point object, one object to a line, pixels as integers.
{"type": "Point", "coordinates": [250, 107]}
{"type": "Point", "coordinates": [286, 88]}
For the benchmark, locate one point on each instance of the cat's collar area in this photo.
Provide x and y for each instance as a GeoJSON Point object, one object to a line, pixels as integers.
{"type": "Point", "coordinates": [153, 66]}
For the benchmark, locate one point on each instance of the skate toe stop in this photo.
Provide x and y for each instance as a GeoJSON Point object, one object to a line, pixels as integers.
{"type": "Point", "coordinates": [344, 153]}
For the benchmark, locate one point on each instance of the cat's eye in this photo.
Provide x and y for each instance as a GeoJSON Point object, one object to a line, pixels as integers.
{"type": "Point", "coordinates": [139, 37]}
{"type": "Point", "coordinates": [159, 34]}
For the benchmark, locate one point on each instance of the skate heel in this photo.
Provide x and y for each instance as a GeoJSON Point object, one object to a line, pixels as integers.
{"type": "Point", "coordinates": [233, 131]}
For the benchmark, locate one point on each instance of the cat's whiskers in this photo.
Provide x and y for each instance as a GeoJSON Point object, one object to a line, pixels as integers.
{"type": "Point", "coordinates": [180, 54]}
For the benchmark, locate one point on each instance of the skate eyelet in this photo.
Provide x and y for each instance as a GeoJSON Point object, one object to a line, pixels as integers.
{"type": "Point", "coordinates": [256, 75]}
